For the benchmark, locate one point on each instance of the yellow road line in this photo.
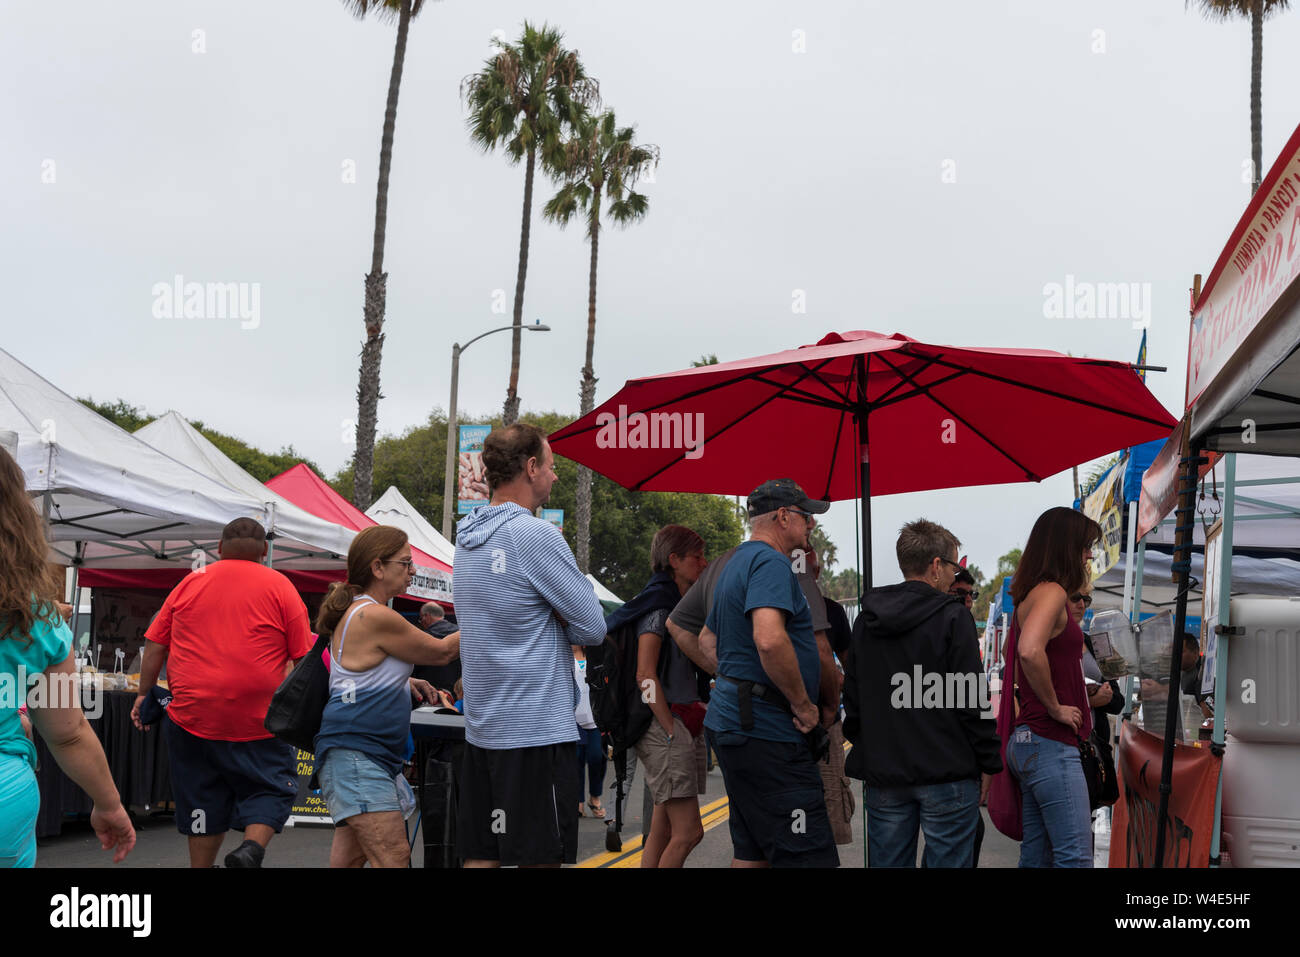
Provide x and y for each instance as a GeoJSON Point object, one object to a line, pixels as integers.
{"type": "Point", "coordinates": [710, 822]}
{"type": "Point", "coordinates": [633, 847]}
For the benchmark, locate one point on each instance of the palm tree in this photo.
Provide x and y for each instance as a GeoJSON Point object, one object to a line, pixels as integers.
{"type": "Point", "coordinates": [600, 161]}
{"type": "Point", "coordinates": [525, 98]}
{"type": "Point", "coordinates": [1256, 10]}
{"type": "Point", "coordinates": [376, 282]}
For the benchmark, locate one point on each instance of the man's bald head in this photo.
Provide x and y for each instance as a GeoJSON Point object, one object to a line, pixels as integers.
{"type": "Point", "coordinates": [429, 613]}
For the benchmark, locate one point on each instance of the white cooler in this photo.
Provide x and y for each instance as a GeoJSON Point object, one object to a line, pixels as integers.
{"type": "Point", "coordinates": [1261, 762]}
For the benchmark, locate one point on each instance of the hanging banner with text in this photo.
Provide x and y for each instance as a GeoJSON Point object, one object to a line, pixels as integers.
{"type": "Point", "coordinates": [1261, 260]}
{"type": "Point", "coordinates": [1190, 821]}
{"type": "Point", "coordinates": [308, 806]}
{"type": "Point", "coordinates": [471, 483]}
{"type": "Point", "coordinates": [1105, 506]}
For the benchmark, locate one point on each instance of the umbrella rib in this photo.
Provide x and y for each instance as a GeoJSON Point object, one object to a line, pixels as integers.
{"type": "Point", "coordinates": [1051, 392]}
{"type": "Point", "coordinates": [669, 464]}
{"type": "Point", "coordinates": [1029, 475]}
{"type": "Point", "coordinates": [919, 390]}
{"type": "Point", "coordinates": [830, 475]}
{"type": "Point", "coordinates": [844, 397]}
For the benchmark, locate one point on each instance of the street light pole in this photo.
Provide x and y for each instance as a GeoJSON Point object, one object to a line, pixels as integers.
{"type": "Point", "coordinates": [456, 350]}
{"type": "Point", "coordinates": [451, 444]}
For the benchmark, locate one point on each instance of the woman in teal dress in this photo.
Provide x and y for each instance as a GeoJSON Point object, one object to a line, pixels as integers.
{"type": "Point", "coordinates": [36, 668]}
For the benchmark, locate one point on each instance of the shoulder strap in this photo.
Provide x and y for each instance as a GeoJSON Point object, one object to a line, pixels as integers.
{"type": "Point", "coordinates": [343, 636]}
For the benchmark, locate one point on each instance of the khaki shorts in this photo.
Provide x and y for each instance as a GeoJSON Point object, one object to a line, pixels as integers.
{"type": "Point", "coordinates": [676, 769]}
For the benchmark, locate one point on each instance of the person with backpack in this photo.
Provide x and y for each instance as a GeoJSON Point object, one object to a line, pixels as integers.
{"type": "Point", "coordinates": [672, 749]}
{"type": "Point", "coordinates": [641, 687]}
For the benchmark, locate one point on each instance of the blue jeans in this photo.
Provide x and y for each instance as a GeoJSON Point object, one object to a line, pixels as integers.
{"type": "Point", "coordinates": [591, 760]}
{"type": "Point", "coordinates": [948, 814]}
{"type": "Point", "coordinates": [1057, 817]}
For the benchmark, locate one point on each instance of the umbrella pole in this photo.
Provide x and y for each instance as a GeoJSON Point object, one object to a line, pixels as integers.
{"type": "Point", "coordinates": [1183, 567]}
{"type": "Point", "coordinates": [864, 490]}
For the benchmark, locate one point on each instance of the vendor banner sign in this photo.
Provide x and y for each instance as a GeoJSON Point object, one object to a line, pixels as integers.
{"type": "Point", "coordinates": [471, 485]}
{"type": "Point", "coordinates": [1105, 506]}
{"type": "Point", "coordinates": [1190, 821]}
{"type": "Point", "coordinates": [1261, 260]}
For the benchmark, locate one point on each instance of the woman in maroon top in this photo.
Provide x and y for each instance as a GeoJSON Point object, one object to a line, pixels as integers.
{"type": "Point", "coordinates": [1053, 713]}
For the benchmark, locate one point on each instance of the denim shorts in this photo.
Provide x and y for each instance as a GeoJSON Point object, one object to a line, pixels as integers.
{"type": "Point", "coordinates": [353, 783]}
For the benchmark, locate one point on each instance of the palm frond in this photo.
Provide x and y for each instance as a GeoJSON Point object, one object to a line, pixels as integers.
{"type": "Point", "coordinates": [386, 11]}
{"type": "Point", "coordinates": [1221, 10]}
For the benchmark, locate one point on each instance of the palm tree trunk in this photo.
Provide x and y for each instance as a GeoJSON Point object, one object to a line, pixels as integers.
{"type": "Point", "coordinates": [510, 412]}
{"type": "Point", "coordinates": [1256, 68]}
{"type": "Point", "coordinates": [587, 395]}
{"type": "Point", "coordinates": [376, 285]}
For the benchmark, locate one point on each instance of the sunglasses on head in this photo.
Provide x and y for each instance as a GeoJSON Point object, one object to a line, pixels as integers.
{"type": "Point", "coordinates": [1086, 599]}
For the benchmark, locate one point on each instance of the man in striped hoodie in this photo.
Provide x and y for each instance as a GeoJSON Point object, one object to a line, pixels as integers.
{"type": "Point", "coordinates": [521, 603]}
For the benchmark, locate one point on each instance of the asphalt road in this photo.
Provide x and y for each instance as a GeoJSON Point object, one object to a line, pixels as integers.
{"type": "Point", "coordinates": [159, 845]}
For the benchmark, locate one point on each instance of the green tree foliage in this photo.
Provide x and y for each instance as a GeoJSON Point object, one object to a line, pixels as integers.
{"type": "Point", "coordinates": [844, 586]}
{"type": "Point", "coordinates": [825, 549]}
{"type": "Point", "coordinates": [623, 523]}
{"type": "Point", "coordinates": [1006, 568]}
{"type": "Point", "coordinates": [121, 413]}
{"type": "Point", "coordinates": [706, 360]}
{"type": "Point", "coordinates": [261, 465]}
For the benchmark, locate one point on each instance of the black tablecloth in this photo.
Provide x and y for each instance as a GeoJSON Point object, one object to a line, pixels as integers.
{"type": "Point", "coordinates": [136, 759]}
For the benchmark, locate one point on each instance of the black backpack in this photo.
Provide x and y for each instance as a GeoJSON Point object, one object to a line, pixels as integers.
{"type": "Point", "coordinates": [616, 702]}
{"type": "Point", "coordinates": [618, 707]}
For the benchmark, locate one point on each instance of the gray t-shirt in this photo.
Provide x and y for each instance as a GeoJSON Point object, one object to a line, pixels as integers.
{"type": "Point", "coordinates": [693, 610]}
{"type": "Point", "coordinates": [678, 678]}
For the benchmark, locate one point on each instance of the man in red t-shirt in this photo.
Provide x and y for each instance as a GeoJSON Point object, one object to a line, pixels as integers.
{"type": "Point", "coordinates": [230, 632]}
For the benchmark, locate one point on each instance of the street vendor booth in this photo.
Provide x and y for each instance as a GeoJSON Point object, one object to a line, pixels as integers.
{"type": "Point", "coordinates": [110, 502]}
{"type": "Point", "coordinates": [1237, 800]}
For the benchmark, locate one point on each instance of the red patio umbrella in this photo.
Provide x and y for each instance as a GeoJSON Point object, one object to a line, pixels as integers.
{"type": "Point", "coordinates": [924, 417]}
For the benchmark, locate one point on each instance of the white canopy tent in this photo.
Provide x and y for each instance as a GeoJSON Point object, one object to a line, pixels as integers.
{"type": "Point", "coordinates": [603, 593]}
{"type": "Point", "coordinates": [110, 499]}
{"type": "Point", "coordinates": [392, 508]}
{"type": "Point", "coordinates": [1277, 577]}
{"type": "Point", "coordinates": [297, 538]}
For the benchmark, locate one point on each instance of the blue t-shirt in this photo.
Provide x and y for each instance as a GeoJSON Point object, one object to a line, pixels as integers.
{"type": "Point", "coordinates": [758, 576]}
{"type": "Point", "coordinates": [51, 641]}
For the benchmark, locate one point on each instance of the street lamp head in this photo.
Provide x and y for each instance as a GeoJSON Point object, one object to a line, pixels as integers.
{"type": "Point", "coordinates": [538, 326]}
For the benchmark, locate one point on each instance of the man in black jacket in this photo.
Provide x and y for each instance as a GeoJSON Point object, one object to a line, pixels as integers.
{"type": "Point", "coordinates": [916, 709]}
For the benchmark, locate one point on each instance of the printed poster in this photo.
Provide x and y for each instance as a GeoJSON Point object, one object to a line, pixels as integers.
{"type": "Point", "coordinates": [471, 483]}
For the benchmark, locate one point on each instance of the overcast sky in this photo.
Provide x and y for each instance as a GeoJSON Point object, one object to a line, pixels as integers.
{"type": "Point", "coordinates": [926, 168]}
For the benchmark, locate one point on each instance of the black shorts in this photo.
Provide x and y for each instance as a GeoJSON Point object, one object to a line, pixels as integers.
{"type": "Point", "coordinates": [518, 806]}
{"type": "Point", "coordinates": [777, 806]}
{"type": "Point", "coordinates": [219, 785]}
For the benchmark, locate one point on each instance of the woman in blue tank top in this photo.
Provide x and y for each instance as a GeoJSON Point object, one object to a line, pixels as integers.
{"type": "Point", "coordinates": [368, 716]}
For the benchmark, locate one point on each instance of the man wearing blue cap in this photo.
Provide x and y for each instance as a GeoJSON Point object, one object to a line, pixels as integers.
{"type": "Point", "coordinates": [763, 719]}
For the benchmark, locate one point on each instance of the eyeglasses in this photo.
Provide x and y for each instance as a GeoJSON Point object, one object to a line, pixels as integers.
{"type": "Point", "coordinates": [964, 594]}
{"type": "Point", "coordinates": [1086, 599]}
{"type": "Point", "coordinates": [408, 562]}
{"type": "Point", "coordinates": [807, 516]}
{"type": "Point", "coordinates": [957, 565]}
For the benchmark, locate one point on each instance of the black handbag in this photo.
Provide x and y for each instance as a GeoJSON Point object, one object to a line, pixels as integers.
{"type": "Point", "coordinates": [1094, 771]}
{"type": "Point", "coordinates": [297, 705]}
{"type": "Point", "coordinates": [1110, 783]}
